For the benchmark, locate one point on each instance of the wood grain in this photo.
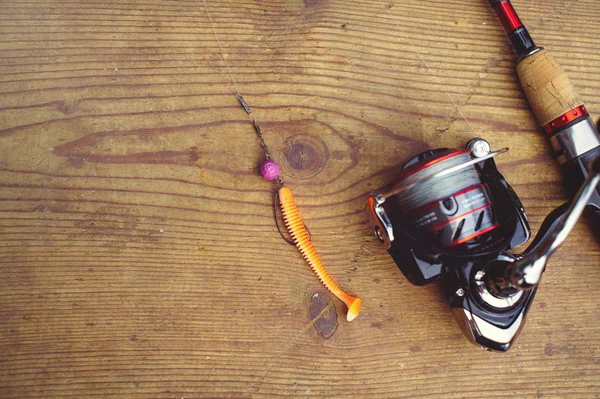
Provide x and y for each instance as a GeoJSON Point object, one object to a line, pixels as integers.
{"type": "Point", "coordinates": [138, 253]}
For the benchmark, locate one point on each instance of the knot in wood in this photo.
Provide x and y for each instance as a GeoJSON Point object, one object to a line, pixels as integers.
{"type": "Point", "coordinates": [305, 155]}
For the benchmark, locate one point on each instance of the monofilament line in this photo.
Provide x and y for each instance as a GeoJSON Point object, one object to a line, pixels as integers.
{"type": "Point", "coordinates": [429, 70]}
{"type": "Point", "coordinates": [238, 95]}
{"type": "Point", "coordinates": [221, 49]}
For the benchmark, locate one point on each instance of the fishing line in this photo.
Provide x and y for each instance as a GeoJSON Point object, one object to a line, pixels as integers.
{"type": "Point", "coordinates": [421, 188]}
{"type": "Point", "coordinates": [429, 70]}
{"type": "Point", "coordinates": [212, 25]}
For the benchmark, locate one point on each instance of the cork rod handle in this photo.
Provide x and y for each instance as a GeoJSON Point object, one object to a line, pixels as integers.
{"type": "Point", "coordinates": [547, 86]}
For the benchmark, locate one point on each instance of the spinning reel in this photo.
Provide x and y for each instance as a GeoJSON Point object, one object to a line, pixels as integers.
{"type": "Point", "coordinates": [452, 216]}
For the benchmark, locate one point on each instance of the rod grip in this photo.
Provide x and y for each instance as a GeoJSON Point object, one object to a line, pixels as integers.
{"type": "Point", "coordinates": [547, 86]}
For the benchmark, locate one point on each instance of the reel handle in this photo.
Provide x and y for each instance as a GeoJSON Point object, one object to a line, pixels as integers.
{"type": "Point", "coordinates": [505, 279]}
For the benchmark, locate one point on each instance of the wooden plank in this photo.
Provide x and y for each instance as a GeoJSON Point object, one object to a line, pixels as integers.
{"type": "Point", "coordinates": [137, 248]}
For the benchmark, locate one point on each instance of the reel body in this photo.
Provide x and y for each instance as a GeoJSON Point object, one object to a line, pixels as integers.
{"type": "Point", "coordinates": [452, 216]}
{"type": "Point", "coordinates": [452, 227]}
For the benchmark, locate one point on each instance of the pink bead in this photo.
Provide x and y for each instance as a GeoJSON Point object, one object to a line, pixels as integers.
{"type": "Point", "coordinates": [269, 170]}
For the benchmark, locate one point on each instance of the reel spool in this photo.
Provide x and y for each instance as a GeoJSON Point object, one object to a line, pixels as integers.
{"type": "Point", "coordinates": [452, 215]}
{"type": "Point", "coordinates": [447, 211]}
{"type": "Point", "coordinates": [447, 202]}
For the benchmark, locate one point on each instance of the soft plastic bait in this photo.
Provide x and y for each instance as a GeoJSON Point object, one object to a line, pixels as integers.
{"type": "Point", "coordinates": [301, 238]}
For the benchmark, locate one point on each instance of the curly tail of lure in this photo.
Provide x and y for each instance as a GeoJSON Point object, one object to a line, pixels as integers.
{"type": "Point", "coordinates": [301, 238]}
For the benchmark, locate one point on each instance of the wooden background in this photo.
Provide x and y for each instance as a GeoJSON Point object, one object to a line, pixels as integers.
{"type": "Point", "coordinates": [138, 253]}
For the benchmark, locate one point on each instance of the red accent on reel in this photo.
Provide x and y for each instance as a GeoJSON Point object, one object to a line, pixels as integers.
{"type": "Point", "coordinates": [454, 219]}
{"type": "Point", "coordinates": [565, 119]}
{"type": "Point", "coordinates": [508, 16]}
{"type": "Point", "coordinates": [473, 236]}
{"type": "Point", "coordinates": [460, 217]}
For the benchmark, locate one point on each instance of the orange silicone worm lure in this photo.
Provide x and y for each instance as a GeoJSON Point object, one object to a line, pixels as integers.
{"type": "Point", "coordinates": [271, 171]}
{"type": "Point", "coordinates": [301, 238]}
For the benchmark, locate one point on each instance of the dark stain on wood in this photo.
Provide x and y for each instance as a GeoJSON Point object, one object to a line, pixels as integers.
{"type": "Point", "coordinates": [323, 315]}
{"type": "Point", "coordinates": [301, 156]}
{"type": "Point", "coordinates": [194, 154]}
{"type": "Point", "coordinates": [67, 107]}
{"type": "Point", "coordinates": [77, 160]}
{"type": "Point", "coordinates": [186, 158]}
{"type": "Point", "coordinates": [549, 349]}
{"type": "Point", "coordinates": [306, 154]}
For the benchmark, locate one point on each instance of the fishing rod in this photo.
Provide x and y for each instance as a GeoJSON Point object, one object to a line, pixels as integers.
{"type": "Point", "coordinates": [557, 106]}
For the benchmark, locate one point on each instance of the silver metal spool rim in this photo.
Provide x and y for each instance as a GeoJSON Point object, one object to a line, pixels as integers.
{"type": "Point", "coordinates": [398, 188]}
